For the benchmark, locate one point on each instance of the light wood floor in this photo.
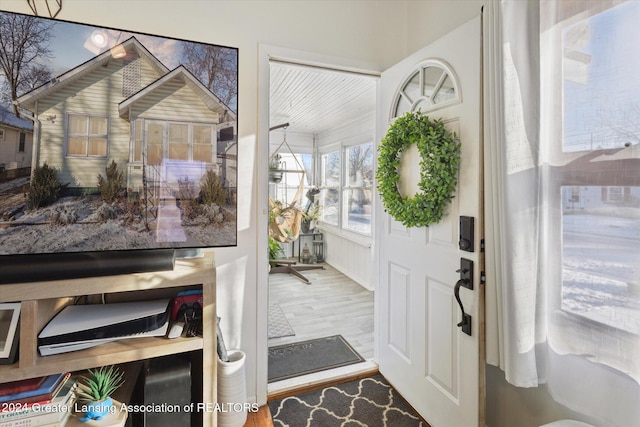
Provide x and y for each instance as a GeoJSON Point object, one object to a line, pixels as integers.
{"type": "Point", "coordinates": [332, 304]}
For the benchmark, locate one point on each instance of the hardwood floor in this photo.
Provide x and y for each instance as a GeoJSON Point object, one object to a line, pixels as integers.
{"type": "Point", "coordinates": [332, 304]}
{"type": "Point", "coordinates": [262, 418]}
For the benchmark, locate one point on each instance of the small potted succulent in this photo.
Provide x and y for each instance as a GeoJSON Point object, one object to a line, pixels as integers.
{"type": "Point", "coordinates": [95, 390]}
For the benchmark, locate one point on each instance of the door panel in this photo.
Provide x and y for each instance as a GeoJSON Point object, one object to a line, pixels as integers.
{"type": "Point", "coordinates": [441, 343]}
{"type": "Point", "coordinates": [396, 229]}
{"type": "Point", "coordinates": [400, 310]}
{"type": "Point", "coordinates": [420, 348]}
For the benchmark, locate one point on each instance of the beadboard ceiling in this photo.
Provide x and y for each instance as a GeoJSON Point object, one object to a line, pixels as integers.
{"type": "Point", "coordinates": [315, 100]}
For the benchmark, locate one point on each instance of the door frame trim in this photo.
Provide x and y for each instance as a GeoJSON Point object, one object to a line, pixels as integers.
{"type": "Point", "coordinates": [266, 54]}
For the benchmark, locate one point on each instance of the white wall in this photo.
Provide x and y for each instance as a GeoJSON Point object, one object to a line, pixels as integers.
{"type": "Point", "coordinates": [429, 20]}
{"type": "Point", "coordinates": [352, 257]}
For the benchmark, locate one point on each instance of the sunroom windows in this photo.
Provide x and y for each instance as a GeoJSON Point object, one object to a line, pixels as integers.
{"type": "Point", "coordinates": [293, 164]}
{"type": "Point", "coordinates": [346, 183]}
{"type": "Point", "coordinates": [330, 185]}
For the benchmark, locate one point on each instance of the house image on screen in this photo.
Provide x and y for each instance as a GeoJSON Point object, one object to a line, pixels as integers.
{"type": "Point", "coordinates": [124, 105]}
{"type": "Point", "coordinates": [16, 142]}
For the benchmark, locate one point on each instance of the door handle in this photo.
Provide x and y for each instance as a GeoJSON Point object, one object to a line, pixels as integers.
{"type": "Point", "coordinates": [465, 323]}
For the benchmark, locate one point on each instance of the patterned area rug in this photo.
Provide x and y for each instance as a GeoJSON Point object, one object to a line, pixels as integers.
{"type": "Point", "coordinates": [369, 402]}
{"type": "Point", "coordinates": [278, 325]}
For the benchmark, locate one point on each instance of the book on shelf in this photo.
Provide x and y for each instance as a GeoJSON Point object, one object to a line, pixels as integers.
{"type": "Point", "coordinates": [60, 423]}
{"type": "Point", "coordinates": [37, 415]}
{"type": "Point", "coordinates": [44, 392]}
{"type": "Point", "coordinates": [53, 419]}
{"type": "Point", "coordinates": [15, 387]}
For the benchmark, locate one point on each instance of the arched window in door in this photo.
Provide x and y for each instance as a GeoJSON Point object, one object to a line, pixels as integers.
{"type": "Point", "coordinates": [432, 85]}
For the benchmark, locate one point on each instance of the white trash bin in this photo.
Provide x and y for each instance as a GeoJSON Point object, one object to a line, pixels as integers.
{"type": "Point", "coordinates": [232, 392]}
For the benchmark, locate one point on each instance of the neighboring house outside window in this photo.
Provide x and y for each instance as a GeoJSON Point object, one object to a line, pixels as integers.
{"type": "Point", "coordinates": [87, 136]}
{"type": "Point", "coordinates": [595, 171]}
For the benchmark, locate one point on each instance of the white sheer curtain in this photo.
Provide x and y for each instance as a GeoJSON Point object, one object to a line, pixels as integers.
{"type": "Point", "coordinates": [562, 183]}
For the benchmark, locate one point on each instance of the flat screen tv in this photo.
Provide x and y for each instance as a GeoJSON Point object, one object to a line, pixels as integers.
{"type": "Point", "coordinates": [117, 149]}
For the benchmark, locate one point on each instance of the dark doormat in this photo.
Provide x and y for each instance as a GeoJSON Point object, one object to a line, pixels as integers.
{"type": "Point", "coordinates": [368, 402]}
{"type": "Point", "coordinates": [306, 357]}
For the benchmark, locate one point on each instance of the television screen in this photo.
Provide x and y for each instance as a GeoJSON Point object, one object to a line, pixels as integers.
{"type": "Point", "coordinates": [112, 140]}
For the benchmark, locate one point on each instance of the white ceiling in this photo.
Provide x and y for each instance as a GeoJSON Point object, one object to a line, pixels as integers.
{"type": "Point", "coordinates": [315, 100]}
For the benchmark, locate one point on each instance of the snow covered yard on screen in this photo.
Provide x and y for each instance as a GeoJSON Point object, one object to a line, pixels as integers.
{"type": "Point", "coordinates": [75, 224]}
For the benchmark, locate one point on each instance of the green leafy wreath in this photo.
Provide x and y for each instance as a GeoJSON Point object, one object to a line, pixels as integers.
{"type": "Point", "coordinates": [439, 160]}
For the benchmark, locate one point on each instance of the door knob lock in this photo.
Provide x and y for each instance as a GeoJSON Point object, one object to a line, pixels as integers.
{"type": "Point", "coordinates": [466, 241]}
{"type": "Point", "coordinates": [466, 272]}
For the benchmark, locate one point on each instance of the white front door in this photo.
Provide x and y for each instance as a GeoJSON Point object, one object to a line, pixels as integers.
{"type": "Point", "coordinates": [420, 349]}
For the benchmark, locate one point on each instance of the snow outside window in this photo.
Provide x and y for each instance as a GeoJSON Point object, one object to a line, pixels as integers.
{"type": "Point", "coordinates": [595, 176]}
{"type": "Point", "coordinates": [330, 187]}
{"type": "Point", "coordinates": [358, 189]}
{"type": "Point", "coordinates": [346, 187]}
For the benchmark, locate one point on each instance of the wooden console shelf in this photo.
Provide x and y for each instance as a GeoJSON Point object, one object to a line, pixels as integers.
{"type": "Point", "coordinates": [40, 301]}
